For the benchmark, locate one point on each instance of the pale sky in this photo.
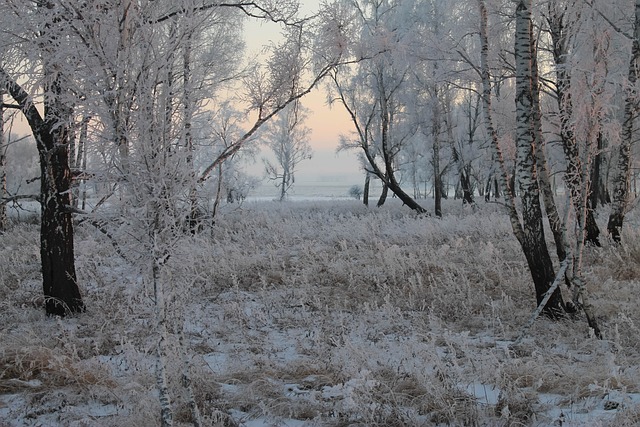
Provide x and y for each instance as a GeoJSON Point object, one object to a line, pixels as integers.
{"type": "Point", "coordinates": [326, 124]}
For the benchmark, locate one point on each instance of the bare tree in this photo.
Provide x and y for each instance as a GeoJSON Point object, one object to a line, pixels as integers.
{"type": "Point", "coordinates": [371, 93]}
{"type": "Point", "coordinates": [288, 138]}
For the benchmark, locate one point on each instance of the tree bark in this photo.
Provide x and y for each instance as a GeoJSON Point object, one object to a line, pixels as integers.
{"type": "Point", "coordinates": [555, 223]}
{"type": "Point", "coordinates": [533, 243]}
{"type": "Point", "coordinates": [56, 235]}
{"type": "Point", "coordinates": [574, 176]}
{"type": "Point", "coordinates": [367, 184]}
{"type": "Point", "coordinates": [437, 176]}
{"type": "Point", "coordinates": [622, 175]}
{"type": "Point", "coordinates": [61, 292]}
{"type": "Point", "coordinates": [3, 171]}
{"type": "Point", "coordinates": [599, 193]}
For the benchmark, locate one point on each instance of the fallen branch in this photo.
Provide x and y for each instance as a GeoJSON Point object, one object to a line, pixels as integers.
{"type": "Point", "coordinates": [10, 199]}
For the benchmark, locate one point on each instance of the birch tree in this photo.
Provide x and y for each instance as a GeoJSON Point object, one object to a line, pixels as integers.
{"type": "Point", "coordinates": [529, 231]}
{"type": "Point", "coordinates": [560, 19]}
{"type": "Point", "coordinates": [288, 139]}
{"type": "Point", "coordinates": [533, 240]}
{"type": "Point", "coordinates": [621, 180]}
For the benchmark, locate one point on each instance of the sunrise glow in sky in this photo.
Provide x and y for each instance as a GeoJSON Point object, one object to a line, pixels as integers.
{"type": "Point", "coordinates": [326, 124]}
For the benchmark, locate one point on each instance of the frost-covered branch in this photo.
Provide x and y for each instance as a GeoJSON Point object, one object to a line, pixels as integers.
{"type": "Point", "coordinates": [250, 9]}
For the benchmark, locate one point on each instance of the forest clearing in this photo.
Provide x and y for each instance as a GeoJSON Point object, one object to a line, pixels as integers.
{"type": "Point", "coordinates": [148, 281]}
{"type": "Point", "coordinates": [322, 314]}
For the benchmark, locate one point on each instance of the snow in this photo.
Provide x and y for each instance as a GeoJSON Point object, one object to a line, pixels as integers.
{"type": "Point", "coordinates": [323, 314]}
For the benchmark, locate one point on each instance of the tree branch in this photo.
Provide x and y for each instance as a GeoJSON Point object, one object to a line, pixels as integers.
{"type": "Point", "coordinates": [246, 7]}
{"type": "Point", "coordinates": [24, 100]}
{"type": "Point", "coordinates": [237, 145]}
{"type": "Point", "coordinates": [10, 199]}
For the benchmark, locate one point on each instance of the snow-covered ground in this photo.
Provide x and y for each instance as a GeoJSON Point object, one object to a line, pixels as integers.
{"type": "Point", "coordinates": [321, 314]}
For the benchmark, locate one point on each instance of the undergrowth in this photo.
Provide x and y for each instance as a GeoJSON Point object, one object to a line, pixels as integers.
{"type": "Point", "coordinates": [332, 315]}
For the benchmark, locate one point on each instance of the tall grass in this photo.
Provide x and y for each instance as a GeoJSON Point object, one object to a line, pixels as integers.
{"type": "Point", "coordinates": [329, 314]}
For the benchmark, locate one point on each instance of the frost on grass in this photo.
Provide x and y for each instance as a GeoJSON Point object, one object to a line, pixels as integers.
{"type": "Point", "coordinates": [321, 314]}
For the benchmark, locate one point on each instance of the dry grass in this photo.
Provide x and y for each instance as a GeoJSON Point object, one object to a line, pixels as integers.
{"type": "Point", "coordinates": [332, 316]}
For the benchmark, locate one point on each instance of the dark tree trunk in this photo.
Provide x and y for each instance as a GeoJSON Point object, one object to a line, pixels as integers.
{"type": "Point", "coordinates": [437, 194]}
{"type": "Point", "coordinates": [487, 193]}
{"type": "Point", "coordinates": [598, 190]}
{"type": "Point", "coordinates": [437, 175]}
{"type": "Point", "coordinates": [383, 195]}
{"type": "Point", "coordinates": [365, 194]}
{"type": "Point", "coordinates": [541, 268]}
{"type": "Point", "coordinates": [467, 191]}
{"type": "Point", "coordinates": [406, 199]}
{"type": "Point", "coordinates": [61, 292]}
{"type": "Point", "coordinates": [621, 180]}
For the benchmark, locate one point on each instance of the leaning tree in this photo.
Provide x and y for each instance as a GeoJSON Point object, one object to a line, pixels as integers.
{"type": "Point", "coordinates": [42, 29]}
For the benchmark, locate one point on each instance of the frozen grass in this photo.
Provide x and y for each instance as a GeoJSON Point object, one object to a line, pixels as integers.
{"type": "Point", "coordinates": [321, 314]}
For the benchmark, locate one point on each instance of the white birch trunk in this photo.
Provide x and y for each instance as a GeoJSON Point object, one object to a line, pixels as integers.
{"type": "Point", "coordinates": [534, 245]}
{"type": "Point", "coordinates": [491, 130]}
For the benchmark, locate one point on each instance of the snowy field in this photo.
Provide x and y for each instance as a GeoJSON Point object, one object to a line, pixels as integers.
{"type": "Point", "coordinates": [321, 314]}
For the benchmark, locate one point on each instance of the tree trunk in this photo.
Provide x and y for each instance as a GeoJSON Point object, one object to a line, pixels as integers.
{"type": "Point", "coordinates": [437, 176]}
{"type": "Point", "coordinates": [367, 184]}
{"type": "Point", "coordinates": [3, 171]}
{"type": "Point", "coordinates": [599, 193]}
{"type": "Point", "coordinates": [487, 192]}
{"type": "Point", "coordinates": [283, 185]}
{"type": "Point", "coordinates": [621, 179]}
{"type": "Point", "coordinates": [467, 190]}
{"type": "Point", "coordinates": [61, 292]}
{"type": "Point", "coordinates": [530, 233]}
{"type": "Point", "coordinates": [56, 235]}
{"type": "Point", "coordinates": [383, 196]}
{"type": "Point", "coordinates": [501, 177]}
{"type": "Point", "coordinates": [533, 242]}
{"type": "Point", "coordinates": [555, 223]}
{"type": "Point", "coordinates": [389, 178]}
{"type": "Point", "coordinates": [574, 176]}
